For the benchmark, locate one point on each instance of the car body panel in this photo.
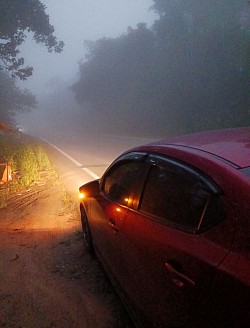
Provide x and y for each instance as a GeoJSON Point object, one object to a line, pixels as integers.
{"type": "Point", "coordinates": [153, 246]}
{"type": "Point", "coordinates": [167, 276]}
{"type": "Point", "coordinates": [105, 220]}
{"type": "Point", "coordinates": [232, 145]}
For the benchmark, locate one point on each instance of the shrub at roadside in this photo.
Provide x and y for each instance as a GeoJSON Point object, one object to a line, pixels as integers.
{"type": "Point", "coordinates": [27, 158]}
{"type": "Point", "coordinates": [27, 165]}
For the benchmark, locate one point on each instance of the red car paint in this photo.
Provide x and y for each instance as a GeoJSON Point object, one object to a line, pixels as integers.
{"type": "Point", "coordinates": [186, 264]}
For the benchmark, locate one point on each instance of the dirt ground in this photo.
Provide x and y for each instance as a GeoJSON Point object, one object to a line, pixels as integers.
{"type": "Point", "coordinates": [47, 279]}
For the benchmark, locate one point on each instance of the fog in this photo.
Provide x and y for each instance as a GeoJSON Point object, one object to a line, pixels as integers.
{"type": "Point", "coordinates": [74, 21]}
{"type": "Point", "coordinates": [185, 70]}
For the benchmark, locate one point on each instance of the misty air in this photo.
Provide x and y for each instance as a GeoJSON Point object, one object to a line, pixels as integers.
{"type": "Point", "coordinates": [124, 163]}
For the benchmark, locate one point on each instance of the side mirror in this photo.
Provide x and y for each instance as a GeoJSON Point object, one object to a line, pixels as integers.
{"type": "Point", "coordinates": [90, 189]}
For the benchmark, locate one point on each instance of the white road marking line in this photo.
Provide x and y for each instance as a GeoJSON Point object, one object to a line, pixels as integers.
{"type": "Point", "coordinates": [89, 172]}
{"type": "Point", "coordinates": [85, 169]}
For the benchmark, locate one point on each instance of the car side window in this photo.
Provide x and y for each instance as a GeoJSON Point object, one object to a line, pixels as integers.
{"type": "Point", "coordinates": [179, 197]}
{"type": "Point", "coordinates": [120, 181]}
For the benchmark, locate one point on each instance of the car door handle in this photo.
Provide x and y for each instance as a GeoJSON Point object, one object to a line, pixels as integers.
{"type": "Point", "coordinates": [113, 225]}
{"type": "Point", "coordinates": [182, 278]}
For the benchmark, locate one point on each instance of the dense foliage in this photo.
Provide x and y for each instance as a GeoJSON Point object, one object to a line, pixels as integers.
{"type": "Point", "coordinates": [13, 99]}
{"type": "Point", "coordinates": [17, 18]}
{"type": "Point", "coordinates": [26, 158]}
{"type": "Point", "coordinates": [190, 71]}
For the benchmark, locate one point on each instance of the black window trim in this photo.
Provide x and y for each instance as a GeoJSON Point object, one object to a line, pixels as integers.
{"type": "Point", "coordinates": [125, 158]}
{"type": "Point", "coordinates": [160, 159]}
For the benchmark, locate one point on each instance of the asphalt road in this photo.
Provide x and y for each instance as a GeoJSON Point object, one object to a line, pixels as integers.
{"type": "Point", "coordinates": [80, 159]}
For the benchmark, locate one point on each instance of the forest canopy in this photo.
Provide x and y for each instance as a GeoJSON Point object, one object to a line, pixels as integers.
{"type": "Point", "coordinates": [17, 19]}
{"type": "Point", "coordinates": [190, 71]}
{"type": "Point", "coordinates": [13, 99]}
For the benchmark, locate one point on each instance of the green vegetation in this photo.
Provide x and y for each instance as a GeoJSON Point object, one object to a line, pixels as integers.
{"type": "Point", "coordinates": [27, 159]}
{"type": "Point", "coordinates": [17, 19]}
{"type": "Point", "coordinates": [13, 99]}
{"type": "Point", "coordinates": [188, 72]}
{"type": "Point", "coordinates": [67, 200]}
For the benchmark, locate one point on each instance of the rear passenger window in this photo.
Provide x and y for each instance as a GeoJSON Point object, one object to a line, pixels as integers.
{"type": "Point", "coordinates": [179, 197]}
{"type": "Point", "coordinates": [120, 182]}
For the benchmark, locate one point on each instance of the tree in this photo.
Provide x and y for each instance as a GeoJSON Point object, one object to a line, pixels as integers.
{"type": "Point", "coordinates": [189, 72]}
{"type": "Point", "coordinates": [124, 61]}
{"type": "Point", "coordinates": [17, 18]}
{"type": "Point", "coordinates": [13, 99]}
{"type": "Point", "coordinates": [203, 62]}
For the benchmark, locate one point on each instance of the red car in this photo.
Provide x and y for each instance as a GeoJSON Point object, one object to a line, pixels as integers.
{"type": "Point", "coordinates": [170, 222]}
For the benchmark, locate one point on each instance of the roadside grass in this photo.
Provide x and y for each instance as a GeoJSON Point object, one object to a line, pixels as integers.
{"type": "Point", "coordinates": [27, 159]}
{"type": "Point", "coordinates": [67, 200]}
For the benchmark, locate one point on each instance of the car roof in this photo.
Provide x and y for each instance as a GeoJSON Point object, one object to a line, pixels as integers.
{"type": "Point", "coordinates": [231, 145]}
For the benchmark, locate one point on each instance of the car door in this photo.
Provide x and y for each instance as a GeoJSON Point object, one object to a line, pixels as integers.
{"type": "Point", "coordinates": [109, 210]}
{"type": "Point", "coordinates": [169, 254]}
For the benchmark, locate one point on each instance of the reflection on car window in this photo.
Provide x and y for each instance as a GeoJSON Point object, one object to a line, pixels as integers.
{"type": "Point", "coordinates": [178, 196]}
{"type": "Point", "coordinates": [121, 181]}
